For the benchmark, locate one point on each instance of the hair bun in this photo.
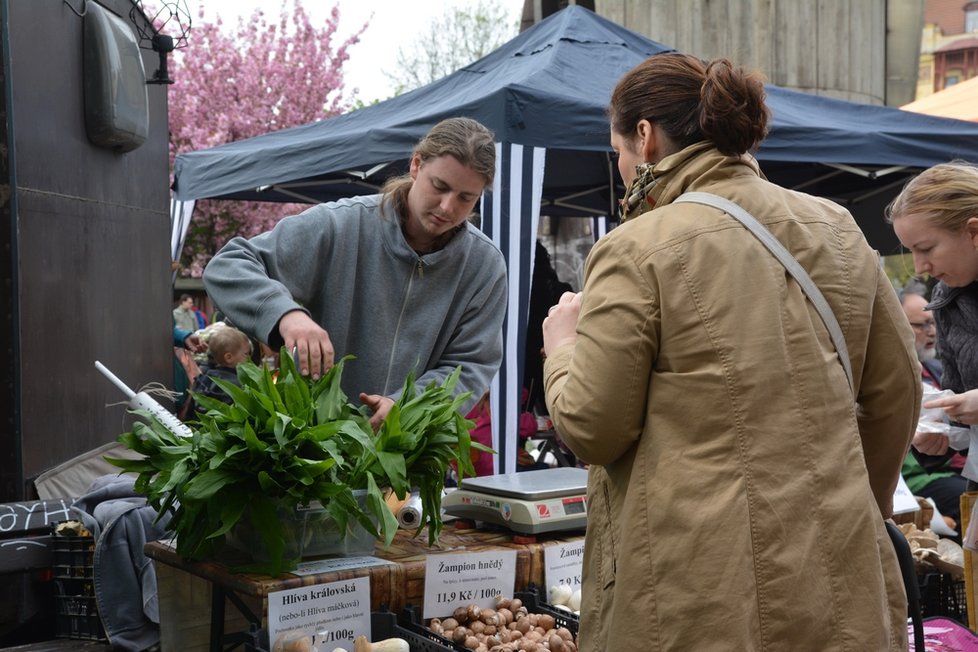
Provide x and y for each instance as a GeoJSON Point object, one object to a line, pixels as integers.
{"type": "Point", "coordinates": [732, 110]}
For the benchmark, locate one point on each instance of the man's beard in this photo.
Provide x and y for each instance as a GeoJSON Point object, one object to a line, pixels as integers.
{"type": "Point", "coordinates": [926, 353]}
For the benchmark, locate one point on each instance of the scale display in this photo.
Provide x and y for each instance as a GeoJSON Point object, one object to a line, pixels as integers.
{"type": "Point", "coordinates": [529, 502]}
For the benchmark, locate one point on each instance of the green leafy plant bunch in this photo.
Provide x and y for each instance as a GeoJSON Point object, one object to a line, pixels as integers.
{"type": "Point", "coordinates": [290, 442]}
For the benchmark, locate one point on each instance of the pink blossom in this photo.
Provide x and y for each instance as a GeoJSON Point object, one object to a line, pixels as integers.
{"type": "Point", "coordinates": [232, 84]}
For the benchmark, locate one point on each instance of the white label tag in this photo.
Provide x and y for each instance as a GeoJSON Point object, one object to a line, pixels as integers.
{"type": "Point", "coordinates": [563, 564]}
{"type": "Point", "coordinates": [320, 615]}
{"type": "Point", "coordinates": [903, 498]}
{"type": "Point", "coordinates": [319, 566]}
{"type": "Point", "coordinates": [458, 580]}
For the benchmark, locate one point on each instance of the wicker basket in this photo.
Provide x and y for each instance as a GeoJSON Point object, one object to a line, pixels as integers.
{"type": "Point", "coordinates": [921, 518]}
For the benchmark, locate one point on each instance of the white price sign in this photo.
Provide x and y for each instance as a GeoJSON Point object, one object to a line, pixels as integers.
{"type": "Point", "coordinates": [458, 580]}
{"type": "Point", "coordinates": [323, 614]}
{"type": "Point", "coordinates": [563, 564]}
{"type": "Point", "coordinates": [903, 499]}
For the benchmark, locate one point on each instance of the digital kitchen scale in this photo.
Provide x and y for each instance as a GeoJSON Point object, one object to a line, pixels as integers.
{"type": "Point", "coordinates": [530, 502]}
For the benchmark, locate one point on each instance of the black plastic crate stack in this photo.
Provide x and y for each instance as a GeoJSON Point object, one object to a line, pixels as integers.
{"type": "Point", "coordinates": [77, 617]}
{"type": "Point", "coordinates": [383, 625]}
{"type": "Point", "coordinates": [386, 625]}
{"type": "Point", "coordinates": [535, 604]}
{"type": "Point", "coordinates": [943, 595]}
{"type": "Point", "coordinates": [531, 600]}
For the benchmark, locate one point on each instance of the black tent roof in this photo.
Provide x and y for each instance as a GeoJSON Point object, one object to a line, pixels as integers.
{"type": "Point", "coordinates": [550, 87]}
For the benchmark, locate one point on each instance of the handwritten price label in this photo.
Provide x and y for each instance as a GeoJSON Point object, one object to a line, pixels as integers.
{"type": "Point", "coordinates": [458, 580]}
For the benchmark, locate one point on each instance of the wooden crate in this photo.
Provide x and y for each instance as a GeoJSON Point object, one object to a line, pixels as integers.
{"type": "Point", "coordinates": [185, 587]}
{"type": "Point", "coordinates": [185, 611]}
{"type": "Point", "coordinates": [968, 501]}
{"type": "Point", "coordinates": [921, 517]}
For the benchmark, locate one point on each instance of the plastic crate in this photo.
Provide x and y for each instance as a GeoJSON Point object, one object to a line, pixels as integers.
{"type": "Point", "coordinates": [411, 620]}
{"type": "Point", "coordinates": [531, 601]}
{"type": "Point", "coordinates": [943, 595]}
{"type": "Point", "coordinates": [534, 604]}
{"type": "Point", "coordinates": [73, 565]}
{"type": "Point", "coordinates": [384, 624]}
{"type": "Point", "coordinates": [308, 532]}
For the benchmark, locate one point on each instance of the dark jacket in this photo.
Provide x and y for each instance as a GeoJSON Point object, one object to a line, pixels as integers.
{"type": "Point", "coordinates": [956, 313]}
{"type": "Point", "coordinates": [124, 578]}
{"type": "Point", "coordinates": [204, 385]}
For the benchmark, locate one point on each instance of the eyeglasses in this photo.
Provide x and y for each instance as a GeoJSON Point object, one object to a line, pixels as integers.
{"type": "Point", "coordinates": [924, 325]}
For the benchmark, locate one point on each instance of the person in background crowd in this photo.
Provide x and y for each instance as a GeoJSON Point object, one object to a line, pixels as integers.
{"type": "Point", "coordinates": [185, 370]}
{"type": "Point", "coordinates": [927, 476]}
{"type": "Point", "coordinates": [735, 492]}
{"type": "Point", "coordinates": [935, 218]}
{"type": "Point", "coordinates": [402, 280]}
{"type": "Point", "coordinates": [481, 432]}
{"type": "Point", "coordinates": [546, 289]}
{"type": "Point", "coordinates": [200, 317]}
{"type": "Point", "coordinates": [183, 314]}
{"type": "Point", "coordinates": [227, 348]}
{"type": "Point", "coordinates": [188, 340]}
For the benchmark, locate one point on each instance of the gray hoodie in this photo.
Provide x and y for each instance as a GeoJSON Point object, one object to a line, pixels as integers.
{"type": "Point", "coordinates": [353, 272]}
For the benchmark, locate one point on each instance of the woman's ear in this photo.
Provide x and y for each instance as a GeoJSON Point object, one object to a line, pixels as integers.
{"type": "Point", "coordinates": [648, 141]}
{"type": "Point", "coordinates": [972, 228]}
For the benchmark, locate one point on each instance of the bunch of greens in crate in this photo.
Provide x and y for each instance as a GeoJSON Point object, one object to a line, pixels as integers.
{"type": "Point", "coordinates": [422, 434]}
{"type": "Point", "coordinates": [289, 442]}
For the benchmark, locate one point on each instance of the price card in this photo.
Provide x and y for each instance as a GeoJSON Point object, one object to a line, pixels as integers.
{"type": "Point", "coordinates": [458, 580]}
{"type": "Point", "coordinates": [903, 498]}
{"type": "Point", "coordinates": [320, 615]}
{"type": "Point", "coordinates": [563, 564]}
{"type": "Point", "coordinates": [335, 564]}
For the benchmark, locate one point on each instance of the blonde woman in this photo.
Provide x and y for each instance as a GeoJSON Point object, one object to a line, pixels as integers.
{"type": "Point", "coordinates": [936, 219]}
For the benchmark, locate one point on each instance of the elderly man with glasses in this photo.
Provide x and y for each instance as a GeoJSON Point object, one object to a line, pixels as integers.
{"type": "Point", "coordinates": [931, 476]}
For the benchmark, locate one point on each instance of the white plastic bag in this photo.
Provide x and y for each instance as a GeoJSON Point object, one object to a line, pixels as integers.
{"type": "Point", "coordinates": [934, 420]}
{"type": "Point", "coordinates": [970, 540]}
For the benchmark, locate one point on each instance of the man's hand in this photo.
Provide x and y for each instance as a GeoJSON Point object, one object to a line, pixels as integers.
{"type": "Point", "coordinates": [930, 443]}
{"type": "Point", "coordinates": [380, 405]}
{"type": "Point", "coordinates": [194, 343]}
{"type": "Point", "coordinates": [308, 342]}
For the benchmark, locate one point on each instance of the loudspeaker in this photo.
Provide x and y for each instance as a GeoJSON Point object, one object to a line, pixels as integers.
{"type": "Point", "coordinates": [116, 100]}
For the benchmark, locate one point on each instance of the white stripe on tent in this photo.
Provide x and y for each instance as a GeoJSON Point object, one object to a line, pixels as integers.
{"type": "Point", "coordinates": [512, 367]}
{"type": "Point", "coordinates": [515, 218]}
{"type": "Point", "coordinates": [600, 227]}
{"type": "Point", "coordinates": [491, 209]}
{"type": "Point", "coordinates": [180, 212]}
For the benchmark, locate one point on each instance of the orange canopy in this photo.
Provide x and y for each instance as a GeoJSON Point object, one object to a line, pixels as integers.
{"type": "Point", "coordinates": [959, 101]}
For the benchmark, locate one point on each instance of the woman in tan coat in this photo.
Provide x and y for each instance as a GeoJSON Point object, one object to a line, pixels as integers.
{"type": "Point", "coordinates": [736, 493]}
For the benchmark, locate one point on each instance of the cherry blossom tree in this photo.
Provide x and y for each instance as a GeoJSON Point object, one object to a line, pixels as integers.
{"type": "Point", "coordinates": [258, 77]}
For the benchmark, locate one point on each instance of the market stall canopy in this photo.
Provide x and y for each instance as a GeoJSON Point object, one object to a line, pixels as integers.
{"type": "Point", "coordinates": [549, 87]}
{"type": "Point", "coordinates": [959, 101]}
{"type": "Point", "coordinates": [545, 95]}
